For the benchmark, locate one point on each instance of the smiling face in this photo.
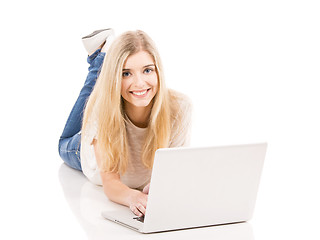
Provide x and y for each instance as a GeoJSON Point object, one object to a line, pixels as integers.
{"type": "Point", "coordinates": [139, 80]}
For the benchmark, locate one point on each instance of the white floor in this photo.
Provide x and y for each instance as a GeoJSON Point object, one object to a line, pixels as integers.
{"type": "Point", "coordinates": [285, 215]}
{"type": "Point", "coordinates": [87, 201]}
{"type": "Point", "coordinates": [65, 205]}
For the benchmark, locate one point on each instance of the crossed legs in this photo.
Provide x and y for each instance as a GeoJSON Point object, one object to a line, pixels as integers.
{"type": "Point", "coordinates": [70, 140]}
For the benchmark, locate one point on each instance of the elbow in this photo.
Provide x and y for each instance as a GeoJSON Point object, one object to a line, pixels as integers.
{"type": "Point", "coordinates": [112, 186]}
{"type": "Point", "coordinates": [108, 190]}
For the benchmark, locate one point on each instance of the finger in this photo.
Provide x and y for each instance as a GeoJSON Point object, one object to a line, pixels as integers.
{"type": "Point", "coordinates": [143, 200]}
{"type": "Point", "coordinates": [146, 189]}
{"type": "Point", "coordinates": [141, 208]}
{"type": "Point", "coordinates": [136, 211]}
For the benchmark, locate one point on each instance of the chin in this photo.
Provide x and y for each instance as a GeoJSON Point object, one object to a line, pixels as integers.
{"type": "Point", "coordinates": [141, 104]}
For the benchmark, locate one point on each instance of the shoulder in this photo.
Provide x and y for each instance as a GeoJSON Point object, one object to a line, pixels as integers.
{"type": "Point", "coordinates": [181, 109]}
{"type": "Point", "coordinates": [180, 102]}
{"type": "Point", "coordinates": [181, 113]}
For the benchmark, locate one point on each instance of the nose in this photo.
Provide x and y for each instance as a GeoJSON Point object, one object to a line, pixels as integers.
{"type": "Point", "coordinates": [138, 80]}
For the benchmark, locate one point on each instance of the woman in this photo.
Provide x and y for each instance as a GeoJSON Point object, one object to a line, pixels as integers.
{"type": "Point", "coordinates": [129, 115]}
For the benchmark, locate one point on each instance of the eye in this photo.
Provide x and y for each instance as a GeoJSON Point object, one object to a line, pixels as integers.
{"type": "Point", "coordinates": [126, 74]}
{"type": "Point", "coordinates": [148, 70]}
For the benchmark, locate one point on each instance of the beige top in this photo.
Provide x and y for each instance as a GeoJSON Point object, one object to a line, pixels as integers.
{"type": "Point", "coordinates": [137, 175]}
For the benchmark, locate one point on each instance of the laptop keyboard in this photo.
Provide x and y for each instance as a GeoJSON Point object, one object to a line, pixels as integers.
{"type": "Point", "coordinates": [140, 219]}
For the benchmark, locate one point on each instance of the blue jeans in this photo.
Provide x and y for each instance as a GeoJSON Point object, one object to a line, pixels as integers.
{"type": "Point", "coordinates": [70, 140]}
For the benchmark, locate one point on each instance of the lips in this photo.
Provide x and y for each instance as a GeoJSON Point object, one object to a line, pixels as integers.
{"type": "Point", "coordinates": [139, 91]}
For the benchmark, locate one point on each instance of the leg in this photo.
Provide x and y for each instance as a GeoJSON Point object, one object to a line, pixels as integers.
{"type": "Point", "coordinates": [69, 142]}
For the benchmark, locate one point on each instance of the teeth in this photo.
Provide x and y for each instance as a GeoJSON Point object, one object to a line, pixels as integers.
{"type": "Point", "coordinates": [139, 93]}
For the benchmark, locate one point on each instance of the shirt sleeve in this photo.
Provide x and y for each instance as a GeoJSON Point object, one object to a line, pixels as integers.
{"type": "Point", "coordinates": [182, 129]}
{"type": "Point", "coordinates": [87, 151]}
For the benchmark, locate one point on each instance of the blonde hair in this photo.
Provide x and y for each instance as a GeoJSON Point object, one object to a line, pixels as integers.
{"type": "Point", "coordinates": [106, 104]}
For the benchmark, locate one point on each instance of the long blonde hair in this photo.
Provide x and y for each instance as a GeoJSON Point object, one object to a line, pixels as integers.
{"type": "Point", "coordinates": [106, 105]}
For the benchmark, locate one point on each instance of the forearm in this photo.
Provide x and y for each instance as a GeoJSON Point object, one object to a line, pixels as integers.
{"type": "Point", "coordinates": [118, 192]}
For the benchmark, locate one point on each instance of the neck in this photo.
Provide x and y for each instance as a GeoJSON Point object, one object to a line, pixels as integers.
{"type": "Point", "coordinates": [139, 116]}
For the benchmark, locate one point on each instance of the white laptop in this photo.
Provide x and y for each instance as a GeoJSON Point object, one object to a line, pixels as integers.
{"type": "Point", "coordinates": [196, 187]}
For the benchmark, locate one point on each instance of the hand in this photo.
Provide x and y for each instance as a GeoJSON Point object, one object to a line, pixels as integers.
{"type": "Point", "coordinates": [146, 189]}
{"type": "Point", "coordinates": [138, 203]}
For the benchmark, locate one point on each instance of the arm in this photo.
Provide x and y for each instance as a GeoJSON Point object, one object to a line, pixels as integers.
{"type": "Point", "coordinates": [182, 126]}
{"type": "Point", "coordinates": [118, 192]}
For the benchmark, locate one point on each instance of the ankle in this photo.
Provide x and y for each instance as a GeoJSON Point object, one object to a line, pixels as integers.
{"type": "Point", "coordinates": [101, 46]}
{"type": "Point", "coordinates": [107, 43]}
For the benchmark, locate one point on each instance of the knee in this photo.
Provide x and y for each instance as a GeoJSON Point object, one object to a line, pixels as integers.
{"type": "Point", "coordinates": [61, 146]}
{"type": "Point", "coordinates": [68, 154]}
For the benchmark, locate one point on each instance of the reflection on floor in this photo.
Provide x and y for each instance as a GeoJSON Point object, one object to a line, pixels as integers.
{"type": "Point", "coordinates": [87, 201]}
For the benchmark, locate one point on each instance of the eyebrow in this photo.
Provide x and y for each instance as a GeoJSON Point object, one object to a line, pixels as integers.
{"type": "Point", "coordinates": [149, 65]}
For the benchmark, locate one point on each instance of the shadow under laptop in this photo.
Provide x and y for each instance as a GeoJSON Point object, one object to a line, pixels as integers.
{"type": "Point", "coordinates": [87, 201]}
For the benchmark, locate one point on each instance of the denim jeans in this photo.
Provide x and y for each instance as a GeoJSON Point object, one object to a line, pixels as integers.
{"type": "Point", "coordinates": [70, 140]}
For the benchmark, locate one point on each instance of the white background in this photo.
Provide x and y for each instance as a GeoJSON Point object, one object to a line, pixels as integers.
{"type": "Point", "coordinates": [251, 69]}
